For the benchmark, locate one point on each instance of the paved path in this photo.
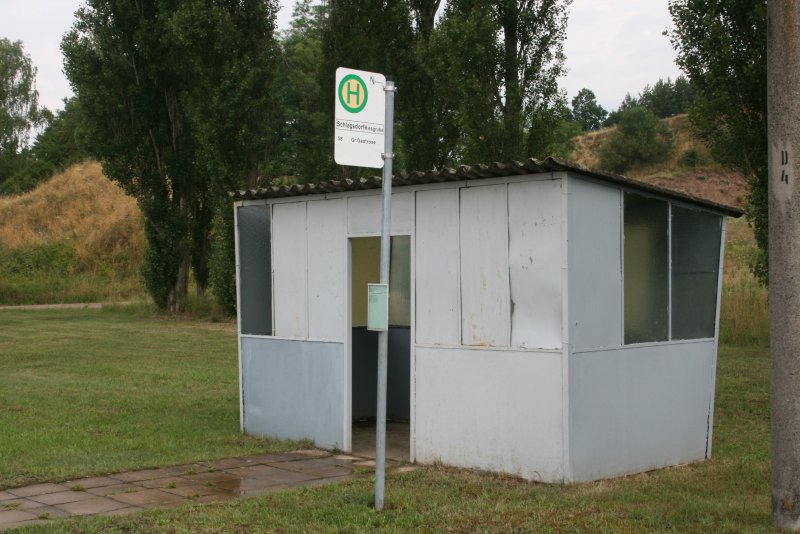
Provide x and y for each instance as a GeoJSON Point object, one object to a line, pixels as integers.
{"type": "Point", "coordinates": [167, 487]}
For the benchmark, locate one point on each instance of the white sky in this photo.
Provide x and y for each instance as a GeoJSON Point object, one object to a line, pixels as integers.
{"type": "Point", "coordinates": [612, 47]}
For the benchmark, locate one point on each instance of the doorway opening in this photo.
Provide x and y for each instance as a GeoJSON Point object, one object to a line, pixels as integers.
{"type": "Point", "coordinates": [365, 269]}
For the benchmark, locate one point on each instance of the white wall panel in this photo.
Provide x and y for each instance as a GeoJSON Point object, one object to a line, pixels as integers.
{"type": "Point", "coordinates": [484, 266]}
{"type": "Point", "coordinates": [437, 282]}
{"type": "Point", "coordinates": [494, 410]}
{"type": "Point", "coordinates": [290, 269]}
{"type": "Point", "coordinates": [364, 214]}
{"type": "Point", "coordinates": [534, 229]}
{"type": "Point", "coordinates": [639, 408]}
{"type": "Point", "coordinates": [595, 270]}
{"type": "Point", "coordinates": [327, 245]}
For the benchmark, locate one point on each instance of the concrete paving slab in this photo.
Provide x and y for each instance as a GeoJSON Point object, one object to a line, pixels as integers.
{"type": "Point", "coordinates": [93, 482]}
{"type": "Point", "coordinates": [38, 489]}
{"type": "Point", "coordinates": [61, 497]}
{"type": "Point", "coordinates": [18, 504]}
{"type": "Point", "coordinates": [117, 489]}
{"type": "Point", "coordinates": [241, 487]}
{"type": "Point", "coordinates": [152, 474]}
{"type": "Point", "coordinates": [48, 512]}
{"type": "Point", "coordinates": [253, 471]}
{"type": "Point", "coordinates": [15, 516]}
{"type": "Point", "coordinates": [147, 496]}
{"type": "Point", "coordinates": [216, 476]}
{"type": "Point", "coordinates": [95, 505]}
{"type": "Point", "coordinates": [194, 491]}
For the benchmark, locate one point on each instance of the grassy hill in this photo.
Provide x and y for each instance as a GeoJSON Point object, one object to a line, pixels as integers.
{"type": "Point", "coordinates": [75, 238]}
{"type": "Point", "coordinates": [690, 169]}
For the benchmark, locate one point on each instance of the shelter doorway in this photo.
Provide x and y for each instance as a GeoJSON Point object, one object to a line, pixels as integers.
{"type": "Point", "coordinates": [365, 269]}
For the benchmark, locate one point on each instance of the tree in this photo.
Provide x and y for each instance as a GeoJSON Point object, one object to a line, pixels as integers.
{"type": "Point", "coordinates": [722, 48]}
{"type": "Point", "coordinates": [665, 98]}
{"type": "Point", "coordinates": [372, 36]}
{"type": "Point", "coordinates": [501, 79]}
{"type": "Point", "coordinates": [305, 149]}
{"type": "Point", "coordinates": [176, 101]}
{"type": "Point", "coordinates": [586, 111]}
{"type": "Point", "coordinates": [640, 139]}
{"type": "Point", "coordinates": [19, 104]}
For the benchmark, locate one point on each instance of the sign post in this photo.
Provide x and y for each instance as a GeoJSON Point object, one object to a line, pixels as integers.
{"type": "Point", "coordinates": [364, 124]}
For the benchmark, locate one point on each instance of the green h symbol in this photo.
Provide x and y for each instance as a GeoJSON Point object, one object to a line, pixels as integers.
{"type": "Point", "coordinates": [352, 88]}
{"type": "Point", "coordinates": [351, 92]}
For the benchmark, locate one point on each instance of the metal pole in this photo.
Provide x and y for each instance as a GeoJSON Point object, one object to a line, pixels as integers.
{"type": "Point", "coordinates": [383, 337]}
{"type": "Point", "coordinates": [783, 80]}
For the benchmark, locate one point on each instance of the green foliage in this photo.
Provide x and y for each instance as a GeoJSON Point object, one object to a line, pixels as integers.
{"type": "Point", "coordinates": [722, 47]}
{"type": "Point", "coordinates": [665, 99]}
{"type": "Point", "coordinates": [586, 111]}
{"type": "Point", "coordinates": [305, 150]}
{"type": "Point", "coordinates": [640, 139]}
{"type": "Point", "coordinates": [692, 158]}
{"type": "Point", "coordinates": [177, 105]}
{"type": "Point", "coordinates": [501, 80]}
{"type": "Point", "coordinates": [57, 147]}
{"type": "Point", "coordinates": [52, 258]}
{"type": "Point", "coordinates": [19, 105]}
{"type": "Point", "coordinates": [222, 263]}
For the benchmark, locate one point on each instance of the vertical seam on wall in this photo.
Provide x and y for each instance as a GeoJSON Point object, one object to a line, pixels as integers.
{"type": "Point", "coordinates": [347, 385]}
{"type": "Point", "coordinates": [509, 312]}
{"type": "Point", "coordinates": [308, 292]}
{"type": "Point", "coordinates": [412, 394]}
{"type": "Point", "coordinates": [237, 248]}
{"type": "Point", "coordinates": [460, 282]}
{"type": "Point", "coordinates": [272, 267]}
{"type": "Point", "coordinates": [669, 271]}
{"type": "Point", "coordinates": [566, 347]}
{"type": "Point", "coordinates": [622, 265]}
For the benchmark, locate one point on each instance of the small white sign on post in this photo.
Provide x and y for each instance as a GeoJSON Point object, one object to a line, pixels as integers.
{"type": "Point", "coordinates": [359, 118]}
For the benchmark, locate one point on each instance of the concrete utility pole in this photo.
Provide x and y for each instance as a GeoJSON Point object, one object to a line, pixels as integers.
{"type": "Point", "coordinates": [783, 91]}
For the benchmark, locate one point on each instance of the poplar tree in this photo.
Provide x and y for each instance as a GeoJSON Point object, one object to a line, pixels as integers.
{"type": "Point", "coordinates": [176, 101]}
{"type": "Point", "coordinates": [499, 62]}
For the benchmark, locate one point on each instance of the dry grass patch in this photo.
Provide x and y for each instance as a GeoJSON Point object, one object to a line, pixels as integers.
{"type": "Point", "coordinates": [80, 206]}
{"type": "Point", "coordinates": [76, 237]}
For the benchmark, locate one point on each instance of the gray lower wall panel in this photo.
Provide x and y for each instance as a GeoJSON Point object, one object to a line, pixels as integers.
{"type": "Point", "coordinates": [639, 408]}
{"type": "Point", "coordinates": [294, 390]}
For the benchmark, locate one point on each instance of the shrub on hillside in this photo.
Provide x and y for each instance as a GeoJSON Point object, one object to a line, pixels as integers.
{"type": "Point", "coordinates": [640, 139]}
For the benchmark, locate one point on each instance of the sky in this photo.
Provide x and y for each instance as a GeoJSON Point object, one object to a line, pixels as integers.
{"type": "Point", "coordinates": [613, 46]}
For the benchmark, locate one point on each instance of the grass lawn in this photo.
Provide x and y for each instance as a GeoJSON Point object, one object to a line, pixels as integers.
{"type": "Point", "coordinates": [85, 392]}
{"type": "Point", "coordinates": [730, 493]}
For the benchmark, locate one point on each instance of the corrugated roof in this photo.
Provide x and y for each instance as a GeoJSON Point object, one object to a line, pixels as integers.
{"type": "Point", "coordinates": [474, 172]}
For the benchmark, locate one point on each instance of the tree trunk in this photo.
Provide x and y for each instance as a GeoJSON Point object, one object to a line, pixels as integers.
{"type": "Point", "coordinates": [179, 293]}
{"type": "Point", "coordinates": [512, 111]}
{"type": "Point", "coordinates": [783, 79]}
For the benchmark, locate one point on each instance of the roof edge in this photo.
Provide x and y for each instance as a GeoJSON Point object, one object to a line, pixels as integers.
{"type": "Point", "coordinates": [476, 172]}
